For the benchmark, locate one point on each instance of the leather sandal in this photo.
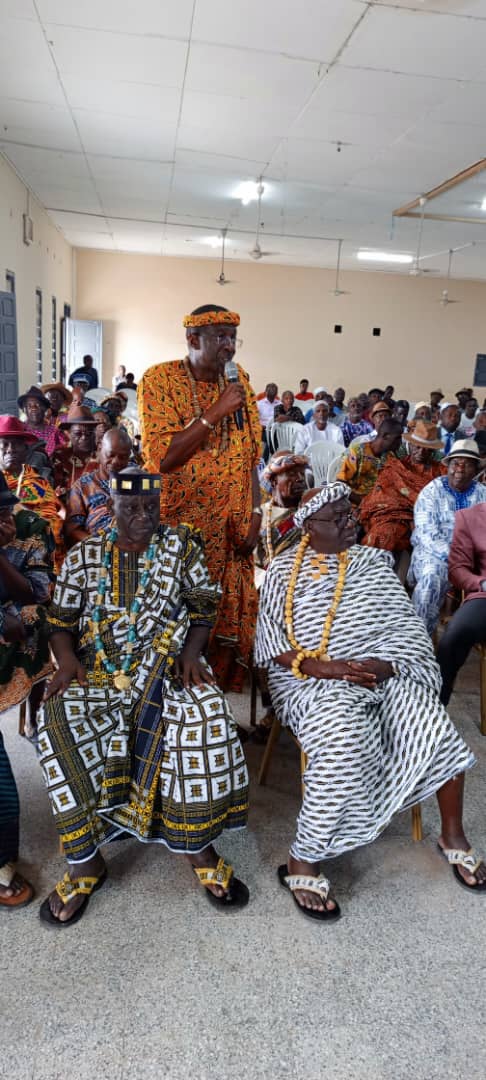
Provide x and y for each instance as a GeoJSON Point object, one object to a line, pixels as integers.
{"type": "Point", "coordinates": [9, 877]}
{"type": "Point", "coordinates": [319, 885]}
{"type": "Point", "coordinates": [67, 889]}
{"type": "Point", "coordinates": [470, 860]}
{"type": "Point", "coordinates": [236, 894]}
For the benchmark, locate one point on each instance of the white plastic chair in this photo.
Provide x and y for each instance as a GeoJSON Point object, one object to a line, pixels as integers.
{"type": "Point", "coordinates": [322, 456]}
{"type": "Point", "coordinates": [283, 436]}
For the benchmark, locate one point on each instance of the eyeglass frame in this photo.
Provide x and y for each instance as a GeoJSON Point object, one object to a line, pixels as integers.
{"type": "Point", "coordinates": [220, 337]}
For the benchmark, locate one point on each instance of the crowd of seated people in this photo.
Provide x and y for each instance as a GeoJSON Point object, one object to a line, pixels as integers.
{"type": "Point", "coordinates": [128, 607]}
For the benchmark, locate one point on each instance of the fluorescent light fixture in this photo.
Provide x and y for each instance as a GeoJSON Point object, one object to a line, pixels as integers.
{"type": "Point", "coordinates": [384, 256]}
{"type": "Point", "coordinates": [247, 191]}
{"type": "Point", "coordinates": [212, 241]}
{"type": "Point", "coordinates": [483, 204]}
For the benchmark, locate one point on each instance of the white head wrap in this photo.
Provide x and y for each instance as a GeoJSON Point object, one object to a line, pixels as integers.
{"type": "Point", "coordinates": [447, 405]}
{"type": "Point", "coordinates": [320, 390]}
{"type": "Point", "coordinates": [329, 493]}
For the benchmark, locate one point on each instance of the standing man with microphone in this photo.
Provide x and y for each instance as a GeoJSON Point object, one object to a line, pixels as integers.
{"type": "Point", "coordinates": [200, 428]}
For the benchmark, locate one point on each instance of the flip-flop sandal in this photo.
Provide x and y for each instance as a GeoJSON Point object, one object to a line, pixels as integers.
{"type": "Point", "coordinates": [236, 894]}
{"type": "Point", "coordinates": [67, 889]}
{"type": "Point", "coordinates": [470, 860]}
{"type": "Point", "coordinates": [8, 874]}
{"type": "Point", "coordinates": [319, 885]}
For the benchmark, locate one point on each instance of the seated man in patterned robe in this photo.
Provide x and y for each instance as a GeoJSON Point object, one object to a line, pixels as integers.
{"type": "Point", "coordinates": [358, 685]}
{"type": "Point", "coordinates": [135, 736]}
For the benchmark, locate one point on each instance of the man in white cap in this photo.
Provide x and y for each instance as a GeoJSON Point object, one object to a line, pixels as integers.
{"type": "Point", "coordinates": [352, 672]}
{"type": "Point", "coordinates": [434, 515]}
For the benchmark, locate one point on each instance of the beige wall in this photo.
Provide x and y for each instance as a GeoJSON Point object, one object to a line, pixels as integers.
{"type": "Point", "coordinates": [46, 264]}
{"type": "Point", "coordinates": [288, 316]}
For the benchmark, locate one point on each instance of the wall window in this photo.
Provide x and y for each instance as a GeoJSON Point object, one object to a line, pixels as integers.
{"type": "Point", "coordinates": [54, 339]}
{"type": "Point", "coordinates": [38, 334]}
{"type": "Point", "coordinates": [10, 281]}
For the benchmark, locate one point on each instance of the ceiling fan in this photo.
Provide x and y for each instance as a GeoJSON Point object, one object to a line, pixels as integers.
{"type": "Point", "coordinates": [222, 279]}
{"type": "Point", "coordinates": [445, 299]}
{"type": "Point", "coordinates": [336, 291]}
{"type": "Point", "coordinates": [256, 251]}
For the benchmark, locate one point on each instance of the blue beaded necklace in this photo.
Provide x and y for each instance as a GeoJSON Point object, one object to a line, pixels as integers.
{"type": "Point", "coordinates": [121, 676]}
{"type": "Point", "coordinates": [461, 498]}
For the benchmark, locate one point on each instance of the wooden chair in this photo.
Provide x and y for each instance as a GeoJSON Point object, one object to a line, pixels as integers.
{"type": "Point", "coordinates": [417, 830]}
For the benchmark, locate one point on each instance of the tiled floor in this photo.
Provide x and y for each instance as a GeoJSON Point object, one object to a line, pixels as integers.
{"type": "Point", "coordinates": [154, 982]}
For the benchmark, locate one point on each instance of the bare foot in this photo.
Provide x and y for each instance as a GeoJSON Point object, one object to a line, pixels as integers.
{"type": "Point", "coordinates": [460, 843]}
{"type": "Point", "coordinates": [304, 898]}
{"type": "Point", "coordinates": [93, 868]}
{"type": "Point", "coordinates": [17, 885]}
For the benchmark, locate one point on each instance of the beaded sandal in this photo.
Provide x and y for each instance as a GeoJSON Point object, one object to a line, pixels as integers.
{"type": "Point", "coordinates": [236, 894]}
{"type": "Point", "coordinates": [319, 885]}
{"type": "Point", "coordinates": [470, 860]}
{"type": "Point", "coordinates": [67, 889]}
{"type": "Point", "coordinates": [8, 874]}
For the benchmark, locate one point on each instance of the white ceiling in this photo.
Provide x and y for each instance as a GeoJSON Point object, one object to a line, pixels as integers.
{"type": "Point", "coordinates": [133, 123]}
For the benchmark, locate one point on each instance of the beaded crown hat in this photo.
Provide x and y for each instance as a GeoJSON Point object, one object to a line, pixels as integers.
{"type": "Point", "coordinates": [134, 481]}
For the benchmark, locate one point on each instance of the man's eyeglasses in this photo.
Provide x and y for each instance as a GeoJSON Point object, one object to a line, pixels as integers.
{"type": "Point", "coordinates": [222, 337]}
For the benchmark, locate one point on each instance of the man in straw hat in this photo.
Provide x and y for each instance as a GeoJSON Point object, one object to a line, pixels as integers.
{"type": "Point", "coordinates": [135, 736]}
{"type": "Point", "coordinates": [70, 462]}
{"type": "Point", "coordinates": [358, 685]}
{"type": "Point", "coordinates": [434, 515]}
{"type": "Point", "coordinates": [59, 398]}
{"type": "Point", "coordinates": [202, 431]}
{"type": "Point", "coordinates": [386, 513]}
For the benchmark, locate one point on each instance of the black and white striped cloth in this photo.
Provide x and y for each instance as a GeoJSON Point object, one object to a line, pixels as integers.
{"type": "Point", "coordinates": [370, 753]}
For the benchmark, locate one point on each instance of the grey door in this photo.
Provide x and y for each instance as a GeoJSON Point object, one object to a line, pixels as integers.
{"type": "Point", "coordinates": [9, 379]}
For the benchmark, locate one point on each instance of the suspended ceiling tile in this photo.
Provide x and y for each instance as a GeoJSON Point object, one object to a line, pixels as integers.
{"type": "Point", "coordinates": [172, 18]}
{"type": "Point", "coordinates": [38, 124]}
{"type": "Point", "coordinates": [472, 8]}
{"type": "Point", "coordinates": [241, 168]}
{"type": "Point", "coordinates": [222, 114]}
{"type": "Point", "coordinates": [26, 67]}
{"type": "Point", "coordinates": [67, 200]}
{"type": "Point", "coordinates": [19, 9]}
{"type": "Point", "coordinates": [307, 160]}
{"type": "Point", "coordinates": [47, 166]}
{"type": "Point", "coordinates": [379, 93]}
{"type": "Point", "coordinates": [105, 133]}
{"type": "Point", "coordinates": [464, 102]}
{"type": "Point", "coordinates": [468, 140]}
{"type": "Point", "coordinates": [122, 57]}
{"type": "Point", "coordinates": [81, 222]}
{"type": "Point", "coordinates": [348, 127]}
{"type": "Point", "coordinates": [123, 98]}
{"type": "Point", "coordinates": [419, 43]}
{"type": "Point", "coordinates": [310, 28]}
{"type": "Point", "coordinates": [231, 142]}
{"type": "Point", "coordinates": [241, 73]}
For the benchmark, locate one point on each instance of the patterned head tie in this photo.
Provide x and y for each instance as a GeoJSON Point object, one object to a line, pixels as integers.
{"type": "Point", "coordinates": [211, 318]}
{"type": "Point", "coordinates": [283, 460]}
{"type": "Point", "coordinates": [329, 493]}
{"type": "Point", "coordinates": [134, 481]}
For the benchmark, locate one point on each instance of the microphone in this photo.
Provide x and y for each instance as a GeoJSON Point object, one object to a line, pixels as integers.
{"type": "Point", "coordinates": [231, 374]}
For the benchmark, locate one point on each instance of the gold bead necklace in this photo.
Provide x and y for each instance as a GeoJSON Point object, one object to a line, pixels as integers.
{"type": "Point", "coordinates": [321, 652]}
{"type": "Point", "coordinates": [196, 408]}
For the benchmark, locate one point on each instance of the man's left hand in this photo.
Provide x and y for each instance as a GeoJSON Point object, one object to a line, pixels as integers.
{"type": "Point", "coordinates": [190, 670]}
{"type": "Point", "coordinates": [381, 668]}
{"type": "Point", "coordinates": [251, 541]}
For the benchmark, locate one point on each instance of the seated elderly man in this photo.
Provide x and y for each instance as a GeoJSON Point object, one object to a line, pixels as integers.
{"type": "Point", "coordinates": [361, 695]}
{"type": "Point", "coordinates": [287, 412]}
{"type": "Point", "coordinates": [318, 430]}
{"type": "Point", "coordinates": [285, 473]}
{"type": "Point", "coordinates": [135, 736]}
{"type": "Point", "coordinates": [70, 462]}
{"type": "Point", "coordinates": [88, 505]}
{"type": "Point", "coordinates": [359, 468]}
{"type": "Point", "coordinates": [467, 571]}
{"type": "Point", "coordinates": [386, 514]}
{"type": "Point", "coordinates": [434, 514]}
